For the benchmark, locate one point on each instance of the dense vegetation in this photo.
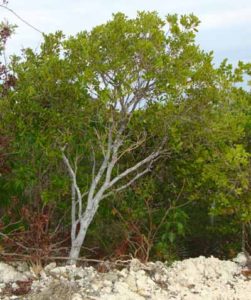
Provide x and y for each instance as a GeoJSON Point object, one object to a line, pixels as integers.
{"type": "Point", "coordinates": [132, 94]}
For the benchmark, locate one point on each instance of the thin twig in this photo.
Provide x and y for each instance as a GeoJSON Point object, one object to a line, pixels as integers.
{"type": "Point", "coordinates": [117, 262]}
{"type": "Point", "coordinates": [17, 243]}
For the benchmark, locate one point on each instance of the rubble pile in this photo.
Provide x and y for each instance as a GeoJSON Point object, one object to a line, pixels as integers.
{"type": "Point", "coordinates": [190, 279]}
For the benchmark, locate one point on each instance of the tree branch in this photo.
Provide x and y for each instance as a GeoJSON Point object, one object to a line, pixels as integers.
{"type": "Point", "coordinates": [127, 184]}
{"type": "Point", "coordinates": [102, 169]}
{"type": "Point", "coordinates": [74, 183]}
{"type": "Point", "coordinates": [148, 159]}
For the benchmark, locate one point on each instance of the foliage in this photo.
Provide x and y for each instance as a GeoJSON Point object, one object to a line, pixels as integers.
{"type": "Point", "coordinates": [76, 91]}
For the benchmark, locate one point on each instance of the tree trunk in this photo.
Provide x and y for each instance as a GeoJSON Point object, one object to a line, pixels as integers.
{"type": "Point", "coordinates": [96, 193]}
{"type": "Point", "coordinates": [77, 242]}
{"type": "Point", "coordinates": [74, 254]}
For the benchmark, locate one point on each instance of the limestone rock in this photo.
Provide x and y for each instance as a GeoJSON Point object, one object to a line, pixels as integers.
{"type": "Point", "coordinates": [191, 279]}
{"type": "Point", "coordinates": [9, 274]}
{"type": "Point", "coordinates": [240, 259]}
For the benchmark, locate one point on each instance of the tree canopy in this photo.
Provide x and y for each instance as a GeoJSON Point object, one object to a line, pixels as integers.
{"type": "Point", "coordinates": [130, 123]}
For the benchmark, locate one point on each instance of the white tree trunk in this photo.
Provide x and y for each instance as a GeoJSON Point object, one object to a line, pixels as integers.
{"type": "Point", "coordinates": [82, 219]}
{"type": "Point", "coordinates": [77, 242]}
{"type": "Point", "coordinates": [74, 253]}
{"type": "Point", "coordinates": [79, 237]}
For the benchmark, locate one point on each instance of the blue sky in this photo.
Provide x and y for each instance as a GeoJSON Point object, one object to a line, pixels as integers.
{"type": "Point", "coordinates": [225, 24]}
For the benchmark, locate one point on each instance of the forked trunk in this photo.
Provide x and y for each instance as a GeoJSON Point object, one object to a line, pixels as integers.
{"type": "Point", "coordinates": [79, 237]}
{"type": "Point", "coordinates": [77, 243]}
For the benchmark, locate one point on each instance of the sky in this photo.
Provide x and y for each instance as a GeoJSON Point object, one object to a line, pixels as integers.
{"type": "Point", "coordinates": [225, 24]}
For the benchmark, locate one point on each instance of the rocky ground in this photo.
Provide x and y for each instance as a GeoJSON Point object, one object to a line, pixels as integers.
{"type": "Point", "coordinates": [190, 279]}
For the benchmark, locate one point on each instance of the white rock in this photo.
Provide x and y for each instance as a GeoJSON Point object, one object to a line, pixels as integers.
{"type": "Point", "coordinates": [77, 296]}
{"type": "Point", "coordinates": [136, 265]}
{"type": "Point", "coordinates": [2, 285]}
{"type": "Point", "coordinates": [191, 279]}
{"type": "Point", "coordinates": [122, 293]}
{"type": "Point", "coordinates": [58, 270]}
{"type": "Point", "coordinates": [15, 286]}
{"type": "Point", "coordinates": [22, 266]}
{"type": "Point", "coordinates": [43, 275]}
{"type": "Point", "coordinates": [240, 259]}
{"type": "Point", "coordinates": [9, 274]}
{"type": "Point", "coordinates": [50, 266]}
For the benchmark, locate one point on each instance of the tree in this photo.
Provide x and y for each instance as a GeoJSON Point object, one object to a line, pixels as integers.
{"type": "Point", "coordinates": [132, 64]}
{"type": "Point", "coordinates": [77, 103]}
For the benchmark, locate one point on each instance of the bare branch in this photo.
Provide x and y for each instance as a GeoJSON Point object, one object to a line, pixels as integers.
{"type": "Point", "coordinates": [102, 168]}
{"type": "Point", "coordinates": [84, 194]}
{"type": "Point", "coordinates": [74, 183]}
{"type": "Point", "coordinates": [148, 159]}
{"type": "Point", "coordinates": [110, 165]}
{"type": "Point", "coordinates": [133, 180]}
{"type": "Point", "coordinates": [140, 93]}
{"type": "Point", "coordinates": [10, 224]}
{"type": "Point", "coordinates": [132, 147]}
{"type": "Point", "coordinates": [94, 164]}
{"type": "Point", "coordinates": [116, 262]}
{"type": "Point", "coordinates": [100, 142]}
{"type": "Point", "coordinates": [127, 184]}
{"type": "Point", "coordinates": [17, 243]}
